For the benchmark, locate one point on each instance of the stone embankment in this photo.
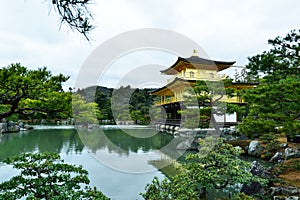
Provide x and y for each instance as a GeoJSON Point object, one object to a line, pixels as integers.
{"type": "Point", "coordinates": [10, 126]}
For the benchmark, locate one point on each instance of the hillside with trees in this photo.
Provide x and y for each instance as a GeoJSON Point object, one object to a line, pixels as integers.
{"type": "Point", "coordinates": [121, 104]}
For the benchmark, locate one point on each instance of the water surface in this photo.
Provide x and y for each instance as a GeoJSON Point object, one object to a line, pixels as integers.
{"type": "Point", "coordinates": [129, 154]}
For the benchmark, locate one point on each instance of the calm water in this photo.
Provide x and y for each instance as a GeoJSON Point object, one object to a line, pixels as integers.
{"type": "Point", "coordinates": [119, 162]}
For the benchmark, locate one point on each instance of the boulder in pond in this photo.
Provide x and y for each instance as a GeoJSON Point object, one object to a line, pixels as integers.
{"type": "Point", "coordinates": [277, 158]}
{"type": "Point", "coordinates": [21, 124]}
{"type": "Point", "coordinates": [254, 187]}
{"type": "Point", "coordinates": [185, 145]}
{"type": "Point", "coordinates": [14, 128]}
{"type": "Point", "coordinates": [286, 191]}
{"type": "Point", "coordinates": [291, 153]}
{"type": "Point", "coordinates": [258, 170]}
{"type": "Point", "coordinates": [43, 121]}
{"type": "Point", "coordinates": [11, 123]}
{"type": "Point", "coordinates": [255, 148]}
{"type": "Point", "coordinates": [3, 127]}
{"type": "Point", "coordinates": [27, 127]}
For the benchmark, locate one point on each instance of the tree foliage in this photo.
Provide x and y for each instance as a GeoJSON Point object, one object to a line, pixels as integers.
{"type": "Point", "coordinates": [140, 105]}
{"type": "Point", "coordinates": [131, 104]}
{"type": "Point", "coordinates": [76, 14]}
{"type": "Point", "coordinates": [215, 166]}
{"type": "Point", "coordinates": [122, 104]}
{"type": "Point", "coordinates": [46, 176]}
{"type": "Point", "coordinates": [104, 104]}
{"type": "Point", "coordinates": [84, 112]}
{"type": "Point", "coordinates": [274, 104]}
{"type": "Point", "coordinates": [24, 91]}
{"type": "Point", "coordinates": [203, 102]}
{"type": "Point", "coordinates": [280, 61]}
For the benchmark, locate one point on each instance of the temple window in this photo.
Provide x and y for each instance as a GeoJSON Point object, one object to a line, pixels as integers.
{"type": "Point", "coordinates": [191, 74]}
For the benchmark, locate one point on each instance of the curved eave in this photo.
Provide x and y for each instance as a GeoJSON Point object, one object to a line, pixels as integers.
{"type": "Point", "coordinates": [169, 85]}
{"type": "Point", "coordinates": [195, 61]}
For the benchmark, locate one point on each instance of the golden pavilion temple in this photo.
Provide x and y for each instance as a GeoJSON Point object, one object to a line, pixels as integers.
{"type": "Point", "coordinates": [185, 72]}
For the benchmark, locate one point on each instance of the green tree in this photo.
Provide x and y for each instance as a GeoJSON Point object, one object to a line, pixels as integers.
{"type": "Point", "coordinates": [104, 104]}
{"type": "Point", "coordinates": [140, 104]}
{"type": "Point", "coordinates": [274, 104]}
{"type": "Point", "coordinates": [84, 112]}
{"type": "Point", "coordinates": [100, 95]}
{"type": "Point", "coordinates": [215, 166]}
{"type": "Point", "coordinates": [280, 61]}
{"type": "Point", "coordinates": [131, 104]}
{"type": "Point", "coordinates": [203, 102]}
{"type": "Point", "coordinates": [46, 176]}
{"type": "Point", "coordinates": [136, 116]}
{"type": "Point", "coordinates": [24, 91]}
{"type": "Point", "coordinates": [120, 103]}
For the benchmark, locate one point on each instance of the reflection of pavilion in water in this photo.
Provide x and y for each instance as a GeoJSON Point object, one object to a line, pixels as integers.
{"type": "Point", "coordinates": [132, 145]}
{"type": "Point", "coordinates": [166, 165]}
{"type": "Point", "coordinates": [169, 155]}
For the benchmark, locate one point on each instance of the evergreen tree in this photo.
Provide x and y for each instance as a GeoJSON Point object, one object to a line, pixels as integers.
{"type": "Point", "coordinates": [84, 112]}
{"type": "Point", "coordinates": [204, 102]}
{"type": "Point", "coordinates": [274, 104]}
{"type": "Point", "coordinates": [24, 91]}
{"type": "Point", "coordinates": [46, 176]}
{"type": "Point", "coordinates": [76, 14]}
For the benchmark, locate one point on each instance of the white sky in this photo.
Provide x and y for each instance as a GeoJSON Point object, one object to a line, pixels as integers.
{"type": "Point", "coordinates": [229, 30]}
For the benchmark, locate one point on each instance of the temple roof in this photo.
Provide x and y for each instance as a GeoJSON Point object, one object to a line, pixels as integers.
{"type": "Point", "coordinates": [198, 63]}
{"type": "Point", "coordinates": [179, 82]}
{"type": "Point", "coordinates": [167, 89]}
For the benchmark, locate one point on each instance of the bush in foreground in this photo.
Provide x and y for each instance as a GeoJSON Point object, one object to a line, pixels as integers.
{"type": "Point", "coordinates": [216, 166]}
{"type": "Point", "coordinates": [46, 176]}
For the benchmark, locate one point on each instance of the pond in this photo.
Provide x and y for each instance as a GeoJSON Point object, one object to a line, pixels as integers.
{"type": "Point", "coordinates": [118, 161]}
{"type": "Point", "coordinates": [121, 160]}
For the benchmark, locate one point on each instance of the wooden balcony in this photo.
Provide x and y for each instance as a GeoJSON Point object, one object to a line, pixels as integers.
{"type": "Point", "coordinates": [208, 77]}
{"type": "Point", "coordinates": [169, 100]}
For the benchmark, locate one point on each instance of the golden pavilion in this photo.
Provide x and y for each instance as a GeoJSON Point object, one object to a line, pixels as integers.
{"type": "Point", "coordinates": [185, 72]}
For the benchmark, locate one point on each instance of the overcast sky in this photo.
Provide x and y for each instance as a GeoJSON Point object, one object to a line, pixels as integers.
{"type": "Point", "coordinates": [229, 30]}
